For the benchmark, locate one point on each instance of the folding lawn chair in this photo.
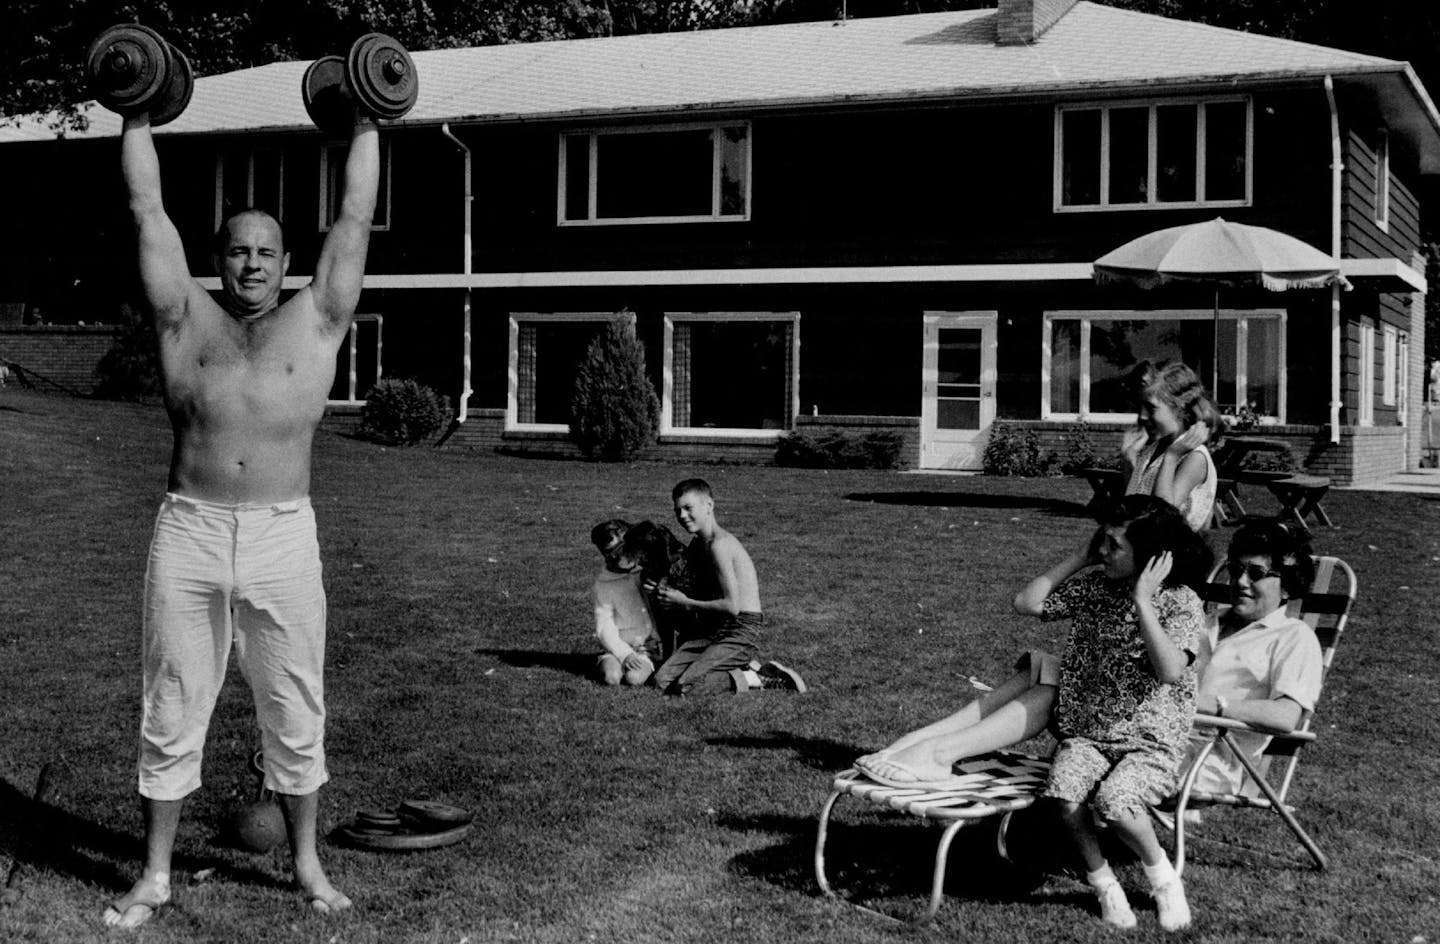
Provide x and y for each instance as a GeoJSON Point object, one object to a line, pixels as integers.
{"type": "Point", "coordinates": [1325, 608]}
{"type": "Point", "coordinates": [1004, 782]}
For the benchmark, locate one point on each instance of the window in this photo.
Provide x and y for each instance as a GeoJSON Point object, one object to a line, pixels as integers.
{"type": "Point", "coordinates": [1088, 356]}
{"type": "Point", "coordinates": [1391, 366]}
{"type": "Point", "coordinates": [1366, 391]}
{"type": "Point", "coordinates": [249, 177]}
{"type": "Point", "coordinates": [733, 373]}
{"type": "Point", "coordinates": [357, 363]}
{"type": "Point", "coordinates": [332, 177]}
{"type": "Point", "coordinates": [545, 354]}
{"type": "Point", "coordinates": [1153, 154]}
{"type": "Point", "coordinates": [692, 173]}
{"type": "Point", "coordinates": [1402, 381]}
{"type": "Point", "coordinates": [1382, 181]}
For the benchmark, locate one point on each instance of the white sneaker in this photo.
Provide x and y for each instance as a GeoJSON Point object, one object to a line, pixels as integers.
{"type": "Point", "coordinates": [1171, 904]}
{"type": "Point", "coordinates": [1115, 907]}
{"type": "Point", "coordinates": [774, 675]}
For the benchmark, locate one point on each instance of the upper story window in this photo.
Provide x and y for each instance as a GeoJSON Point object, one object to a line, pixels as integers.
{"type": "Point", "coordinates": [248, 177]}
{"type": "Point", "coordinates": [332, 179]}
{"type": "Point", "coordinates": [1138, 155]}
{"type": "Point", "coordinates": [684, 174]}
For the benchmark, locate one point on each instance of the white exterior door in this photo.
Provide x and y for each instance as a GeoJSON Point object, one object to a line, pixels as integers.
{"type": "Point", "coordinates": [958, 401]}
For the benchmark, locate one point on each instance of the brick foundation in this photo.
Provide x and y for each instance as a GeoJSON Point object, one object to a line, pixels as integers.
{"type": "Point", "coordinates": [63, 355]}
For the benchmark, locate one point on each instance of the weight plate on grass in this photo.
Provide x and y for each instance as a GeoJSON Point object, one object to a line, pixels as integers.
{"type": "Point", "coordinates": [175, 94]}
{"type": "Point", "coordinates": [403, 841]}
{"type": "Point", "coordinates": [127, 66]}
{"type": "Point", "coordinates": [382, 76]}
{"type": "Point", "coordinates": [433, 814]}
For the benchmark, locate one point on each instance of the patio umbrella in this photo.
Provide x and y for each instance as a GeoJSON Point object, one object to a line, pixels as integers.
{"type": "Point", "coordinates": [1222, 255]}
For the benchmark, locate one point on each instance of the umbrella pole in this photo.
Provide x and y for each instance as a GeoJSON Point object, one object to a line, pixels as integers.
{"type": "Point", "coordinates": [1215, 354]}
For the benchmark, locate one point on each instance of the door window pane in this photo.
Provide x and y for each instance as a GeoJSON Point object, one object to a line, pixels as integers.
{"type": "Point", "coordinates": [957, 414]}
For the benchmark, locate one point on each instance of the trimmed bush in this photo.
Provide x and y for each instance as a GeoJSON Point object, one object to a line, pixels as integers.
{"type": "Point", "coordinates": [614, 412]}
{"type": "Point", "coordinates": [1012, 451]}
{"type": "Point", "coordinates": [840, 451]}
{"type": "Point", "coordinates": [1080, 452]}
{"type": "Point", "coordinates": [130, 370]}
{"type": "Point", "coordinates": [401, 412]}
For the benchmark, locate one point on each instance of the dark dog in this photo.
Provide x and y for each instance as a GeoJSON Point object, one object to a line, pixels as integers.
{"type": "Point", "coordinates": [659, 554]}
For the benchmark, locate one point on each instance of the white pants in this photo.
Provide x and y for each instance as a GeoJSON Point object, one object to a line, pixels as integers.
{"type": "Point", "coordinates": [244, 573]}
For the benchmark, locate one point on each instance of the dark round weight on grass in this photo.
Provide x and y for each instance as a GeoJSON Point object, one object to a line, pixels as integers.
{"type": "Point", "coordinates": [326, 94]}
{"type": "Point", "coordinates": [176, 92]}
{"type": "Point", "coordinates": [259, 826]}
{"type": "Point", "coordinates": [127, 66]}
{"type": "Point", "coordinates": [382, 76]}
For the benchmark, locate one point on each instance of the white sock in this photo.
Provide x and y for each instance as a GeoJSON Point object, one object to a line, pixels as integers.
{"type": "Point", "coordinates": [1101, 877]}
{"type": "Point", "coordinates": [1159, 874]}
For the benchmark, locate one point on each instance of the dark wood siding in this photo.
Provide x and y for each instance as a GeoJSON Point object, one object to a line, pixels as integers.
{"type": "Point", "coordinates": [1363, 238]}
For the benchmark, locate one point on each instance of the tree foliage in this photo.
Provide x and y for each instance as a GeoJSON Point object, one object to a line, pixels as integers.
{"type": "Point", "coordinates": [614, 413]}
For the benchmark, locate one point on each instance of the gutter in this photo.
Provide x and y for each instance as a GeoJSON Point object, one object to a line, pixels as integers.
{"type": "Point", "coordinates": [1336, 169]}
{"type": "Point", "coordinates": [465, 389]}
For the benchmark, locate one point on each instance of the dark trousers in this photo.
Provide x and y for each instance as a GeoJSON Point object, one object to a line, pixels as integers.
{"type": "Point", "coordinates": [704, 664]}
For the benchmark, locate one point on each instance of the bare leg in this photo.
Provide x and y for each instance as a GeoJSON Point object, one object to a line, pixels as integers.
{"type": "Point", "coordinates": [162, 822]}
{"type": "Point", "coordinates": [301, 815]}
{"type": "Point", "coordinates": [1010, 714]}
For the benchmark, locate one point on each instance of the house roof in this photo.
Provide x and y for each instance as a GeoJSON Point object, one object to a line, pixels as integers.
{"type": "Point", "coordinates": [1093, 49]}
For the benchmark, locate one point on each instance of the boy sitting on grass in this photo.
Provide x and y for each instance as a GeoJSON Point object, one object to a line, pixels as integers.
{"type": "Point", "coordinates": [726, 602]}
{"type": "Point", "coordinates": [623, 623]}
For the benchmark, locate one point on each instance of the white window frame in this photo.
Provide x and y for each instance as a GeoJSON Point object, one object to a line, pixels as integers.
{"type": "Point", "coordinates": [1366, 391]}
{"type": "Point", "coordinates": [1402, 380]}
{"type": "Point", "coordinates": [322, 220]}
{"type": "Point", "coordinates": [512, 397]}
{"type": "Point", "coordinates": [249, 181]}
{"type": "Point", "coordinates": [1389, 370]}
{"type": "Point", "coordinates": [1382, 180]}
{"type": "Point", "coordinates": [352, 343]}
{"type": "Point", "coordinates": [667, 401]}
{"type": "Point", "coordinates": [714, 216]}
{"type": "Point", "coordinates": [1152, 189]}
{"type": "Point", "coordinates": [1239, 316]}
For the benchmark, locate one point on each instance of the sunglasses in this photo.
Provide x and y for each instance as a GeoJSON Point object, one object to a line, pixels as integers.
{"type": "Point", "coordinates": [1252, 572]}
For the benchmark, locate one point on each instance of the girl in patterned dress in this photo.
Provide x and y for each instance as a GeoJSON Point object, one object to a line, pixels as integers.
{"type": "Point", "coordinates": [1168, 451]}
{"type": "Point", "coordinates": [1127, 687]}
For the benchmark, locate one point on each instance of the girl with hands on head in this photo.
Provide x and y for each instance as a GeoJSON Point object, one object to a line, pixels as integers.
{"type": "Point", "coordinates": [1168, 451]}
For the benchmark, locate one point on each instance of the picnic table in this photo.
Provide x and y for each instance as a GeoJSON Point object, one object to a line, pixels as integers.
{"type": "Point", "coordinates": [1299, 495]}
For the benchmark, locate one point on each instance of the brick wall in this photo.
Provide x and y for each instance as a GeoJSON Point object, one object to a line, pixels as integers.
{"type": "Point", "coordinates": [907, 426]}
{"type": "Point", "coordinates": [61, 354]}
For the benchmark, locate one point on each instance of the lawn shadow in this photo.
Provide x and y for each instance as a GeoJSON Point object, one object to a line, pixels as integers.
{"type": "Point", "coordinates": [42, 835]}
{"type": "Point", "coordinates": [934, 499]}
{"type": "Point", "coordinates": [576, 663]}
{"type": "Point", "coordinates": [815, 753]}
{"type": "Point", "coordinates": [885, 863]}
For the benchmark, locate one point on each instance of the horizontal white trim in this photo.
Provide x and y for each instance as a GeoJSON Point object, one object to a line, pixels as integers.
{"type": "Point", "coordinates": [1390, 268]}
{"type": "Point", "coordinates": [985, 272]}
{"type": "Point", "coordinates": [996, 272]}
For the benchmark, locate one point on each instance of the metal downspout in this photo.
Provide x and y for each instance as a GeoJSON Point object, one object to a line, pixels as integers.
{"type": "Point", "coordinates": [465, 390]}
{"type": "Point", "coordinates": [1336, 180]}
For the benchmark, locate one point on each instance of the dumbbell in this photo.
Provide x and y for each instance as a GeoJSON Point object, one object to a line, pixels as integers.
{"type": "Point", "coordinates": [132, 69]}
{"type": "Point", "coordinates": [377, 75]}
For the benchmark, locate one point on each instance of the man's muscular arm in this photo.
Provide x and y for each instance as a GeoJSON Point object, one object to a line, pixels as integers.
{"type": "Point", "coordinates": [340, 270]}
{"type": "Point", "coordinates": [164, 270]}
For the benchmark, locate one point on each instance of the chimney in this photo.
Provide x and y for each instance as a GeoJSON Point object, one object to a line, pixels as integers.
{"type": "Point", "coordinates": [1018, 22]}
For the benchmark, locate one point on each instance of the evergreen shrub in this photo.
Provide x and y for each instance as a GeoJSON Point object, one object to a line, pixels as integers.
{"type": "Point", "coordinates": [130, 369]}
{"type": "Point", "coordinates": [1013, 451]}
{"type": "Point", "coordinates": [402, 412]}
{"type": "Point", "coordinates": [614, 412]}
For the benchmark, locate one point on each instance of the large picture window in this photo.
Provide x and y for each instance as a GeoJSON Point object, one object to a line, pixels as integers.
{"type": "Point", "coordinates": [1153, 154]}
{"type": "Point", "coordinates": [732, 373]}
{"type": "Point", "coordinates": [546, 350]}
{"type": "Point", "coordinates": [1088, 357]}
{"type": "Point", "coordinates": [332, 184]}
{"type": "Point", "coordinates": [693, 173]}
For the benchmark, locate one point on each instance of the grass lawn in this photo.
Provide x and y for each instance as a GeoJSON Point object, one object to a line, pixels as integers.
{"type": "Point", "coordinates": [459, 634]}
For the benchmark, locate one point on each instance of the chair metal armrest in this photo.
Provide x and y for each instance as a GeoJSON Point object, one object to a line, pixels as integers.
{"type": "Point", "coordinates": [1231, 724]}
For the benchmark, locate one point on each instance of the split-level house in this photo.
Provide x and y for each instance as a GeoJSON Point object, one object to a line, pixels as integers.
{"type": "Point", "coordinates": [879, 224]}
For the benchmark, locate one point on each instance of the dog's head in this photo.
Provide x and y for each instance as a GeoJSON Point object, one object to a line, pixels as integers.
{"type": "Point", "coordinates": [654, 547]}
